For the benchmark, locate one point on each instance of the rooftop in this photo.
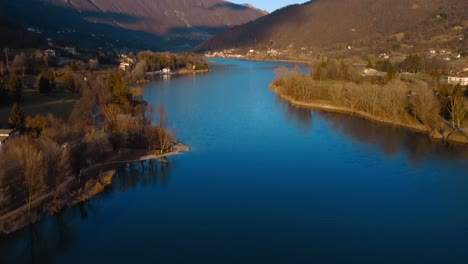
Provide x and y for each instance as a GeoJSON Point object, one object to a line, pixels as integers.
{"type": "Point", "coordinates": [5, 132]}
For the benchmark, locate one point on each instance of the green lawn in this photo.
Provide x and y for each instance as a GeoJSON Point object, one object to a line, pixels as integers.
{"type": "Point", "coordinates": [58, 103]}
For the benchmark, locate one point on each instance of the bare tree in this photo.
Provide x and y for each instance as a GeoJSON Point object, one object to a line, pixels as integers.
{"type": "Point", "coordinates": [20, 63]}
{"type": "Point", "coordinates": [151, 134]}
{"type": "Point", "coordinates": [27, 163]}
{"type": "Point", "coordinates": [457, 110]}
{"type": "Point", "coordinates": [426, 107]}
{"type": "Point", "coordinates": [57, 161]}
{"type": "Point", "coordinates": [140, 70]}
{"type": "Point", "coordinates": [394, 101]}
{"type": "Point", "coordinates": [110, 114]}
{"type": "Point", "coordinates": [163, 134]}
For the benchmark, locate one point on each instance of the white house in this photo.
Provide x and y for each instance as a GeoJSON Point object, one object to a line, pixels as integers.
{"type": "Point", "coordinates": [5, 134]}
{"type": "Point", "coordinates": [71, 50]}
{"type": "Point", "coordinates": [457, 80]}
{"type": "Point", "coordinates": [166, 71]}
{"type": "Point", "coordinates": [369, 71]}
{"type": "Point", "coordinates": [50, 52]}
{"type": "Point", "coordinates": [124, 66]}
{"type": "Point", "coordinates": [384, 56]}
{"type": "Point", "coordinates": [273, 52]}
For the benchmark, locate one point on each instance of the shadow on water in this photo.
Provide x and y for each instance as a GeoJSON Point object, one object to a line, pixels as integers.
{"type": "Point", "coordinates": [302, 117]}
{"type": "Point", "coordinates": [391, 140]}
{"type": "Point", "coordinates": [57, 235]}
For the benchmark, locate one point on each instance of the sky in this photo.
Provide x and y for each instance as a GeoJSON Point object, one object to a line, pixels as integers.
{"type": "Point", "coordinates": [268, 5]}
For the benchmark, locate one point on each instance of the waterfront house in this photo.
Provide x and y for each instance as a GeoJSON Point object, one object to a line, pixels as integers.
{"type": "Point", "coordinates": [166, 71]}
{"type": "Point", "coordinates": [457, 80]}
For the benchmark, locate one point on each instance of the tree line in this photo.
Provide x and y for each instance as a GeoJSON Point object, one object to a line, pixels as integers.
{"type": "Point", "coordinates": [157, 61]}
{"type": "Point", "coordinates": [395, 99]}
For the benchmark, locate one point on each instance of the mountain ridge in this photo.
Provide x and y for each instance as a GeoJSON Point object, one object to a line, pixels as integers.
{"type": "Point", "coordinates": [177, 24]}
{"type": "Point", "coordinates": [322, 23]}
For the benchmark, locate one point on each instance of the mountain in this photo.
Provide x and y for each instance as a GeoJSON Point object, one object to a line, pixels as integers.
{"type": "Point", "coordinates": [157, 24]}
{"type": "Point", "coordinates": [323, 23]}
{"type": "Point", "coordinates": [14, 35]}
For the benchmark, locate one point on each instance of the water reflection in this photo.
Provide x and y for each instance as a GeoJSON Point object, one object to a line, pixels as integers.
{"type": "Point", "coordinates": [57, 235]}
{"type": "Point", "coordinates": [142, 175]}
{"type": "Point", "coordinates": [393, 140]}
{"type": "Point", "coordinates": [41, 242]}
{"type": "Point", "coordinates": [300, 116]}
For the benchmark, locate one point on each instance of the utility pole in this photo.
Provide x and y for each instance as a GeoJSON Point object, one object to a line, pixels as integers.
{"type": "Point", "coordinates": [6, 58]}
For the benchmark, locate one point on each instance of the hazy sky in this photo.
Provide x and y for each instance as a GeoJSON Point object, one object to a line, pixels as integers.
{"type": "Point", "coordinates": [268, 5]}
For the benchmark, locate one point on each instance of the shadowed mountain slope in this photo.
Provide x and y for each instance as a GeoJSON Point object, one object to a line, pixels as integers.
{"type": "Point", "coordinates": [14, 35]}
{"type": "Point", "coordinates": [161, 24]}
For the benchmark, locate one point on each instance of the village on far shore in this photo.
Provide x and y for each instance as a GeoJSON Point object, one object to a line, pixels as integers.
{"type": "Point", "coordinates": [457, 64]}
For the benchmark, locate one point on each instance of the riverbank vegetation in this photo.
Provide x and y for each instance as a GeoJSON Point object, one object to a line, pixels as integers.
{"type": "Point", "coordinates": [395, 98]}
{"type": "Point", "coordinates": [155, 61]}
{"type": "Point", "coordinates": [147, 64]}
{"type": "Point", "coordinates": [56, 160]}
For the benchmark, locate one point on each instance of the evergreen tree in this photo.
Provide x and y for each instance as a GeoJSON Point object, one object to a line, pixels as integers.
{"type": "Point", "coordinates": [3, 92]}
{"type": "Point", "coordinates": [14, 88]}
{"type": "Point", "coordinates": [118, 88]}
{"type": "Point", "coordinates": [45, 82]}
{"type": "Point", "coordinates": [68, 81]}
{"type": "Point", "coordinates": [413, 63]}
{"type": "Point", "coordinates": [16, 119]}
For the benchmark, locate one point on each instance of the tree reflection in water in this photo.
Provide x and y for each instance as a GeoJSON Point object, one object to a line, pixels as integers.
{"type": "Point", "coordinates": [56, 235]}
{"type": "Point", "coordinates": [301, 116]}
{"type": "Point", "coordinates": [391, 140]}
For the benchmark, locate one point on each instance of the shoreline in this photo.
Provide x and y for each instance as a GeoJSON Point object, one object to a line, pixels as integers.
{"type": "Point", "coordinates": [339, 109]}
{"type": "Point", "coordinates": [263, 60]}
{"type": "Point", "coordinates": [185, 72]}
{"type": "Point", "coordinates": [52, 202]}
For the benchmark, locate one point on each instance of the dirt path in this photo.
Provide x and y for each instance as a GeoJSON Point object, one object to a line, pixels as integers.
{"type": "Point", "coordinates": [37, 201]}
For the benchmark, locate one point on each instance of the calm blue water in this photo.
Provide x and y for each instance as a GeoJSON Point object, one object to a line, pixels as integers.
{"type": "Point", "coordinates": [266, 182]}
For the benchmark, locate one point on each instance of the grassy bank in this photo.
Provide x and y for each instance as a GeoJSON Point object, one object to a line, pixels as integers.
{"type": "Point", "coordinates": [58, 103]}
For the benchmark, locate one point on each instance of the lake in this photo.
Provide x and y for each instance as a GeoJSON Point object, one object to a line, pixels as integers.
{"type": "Point", "coordinates": [266, 182]}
